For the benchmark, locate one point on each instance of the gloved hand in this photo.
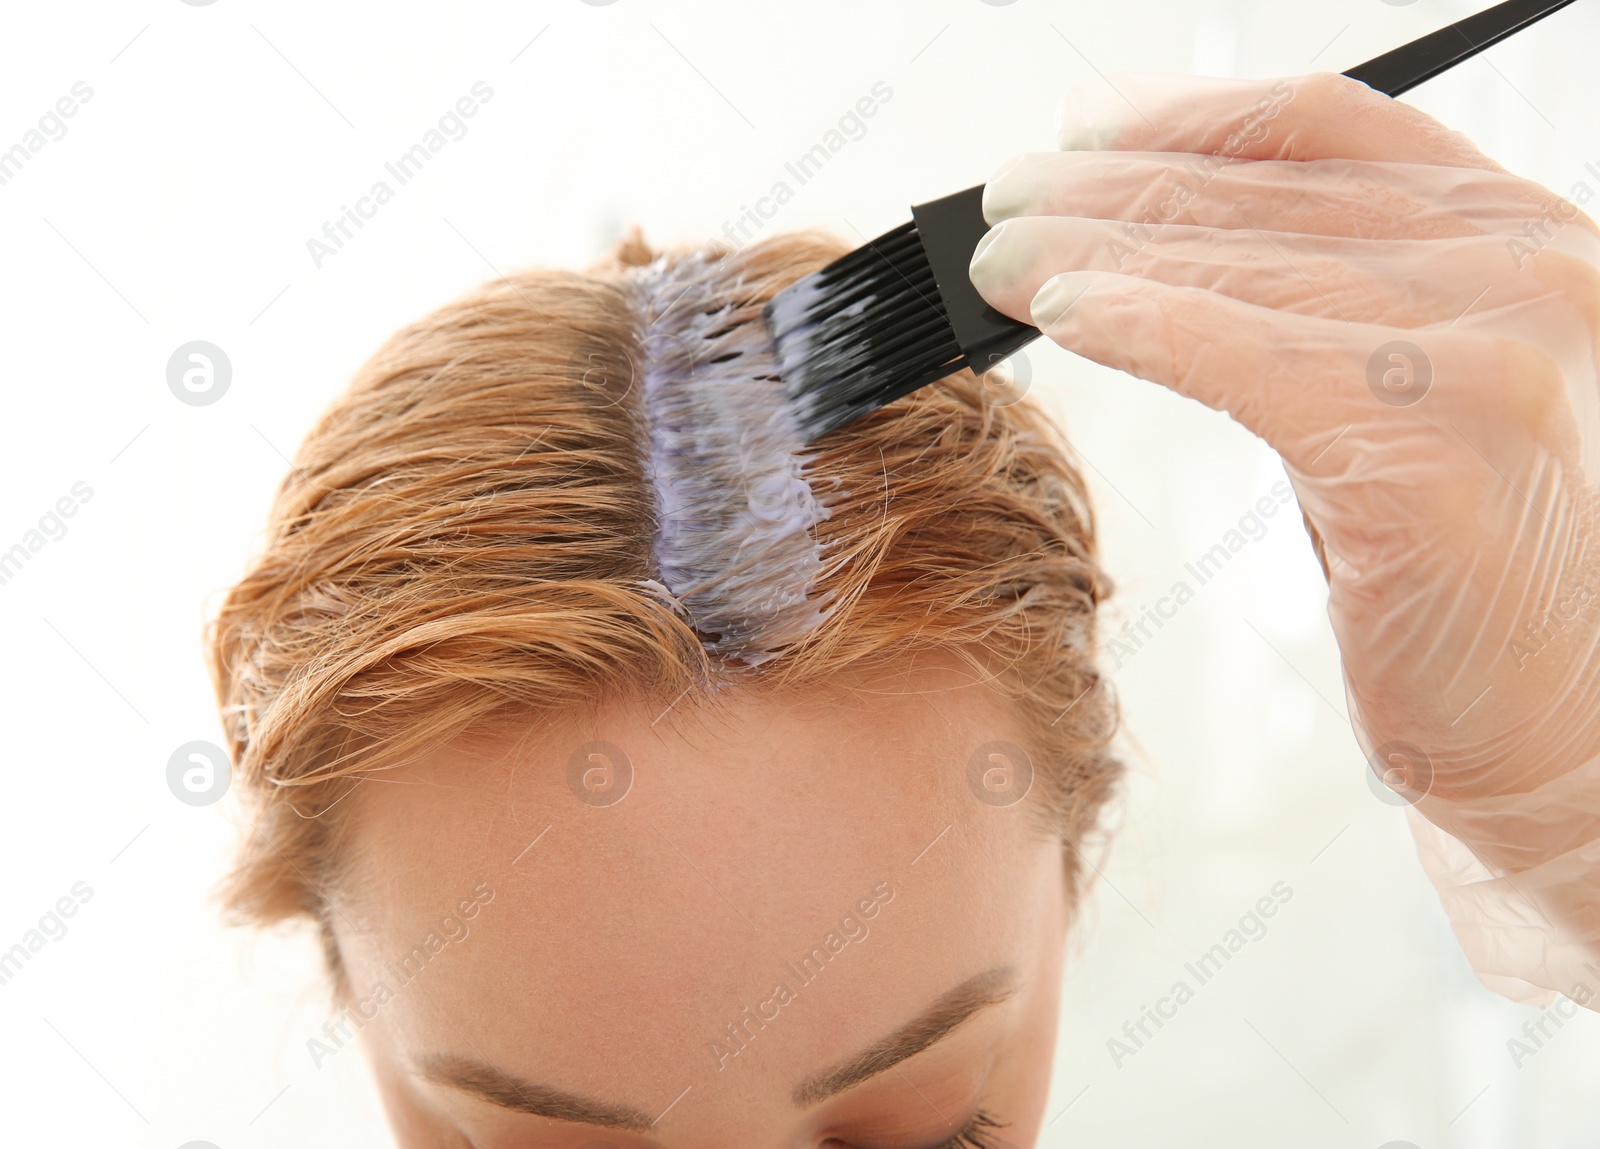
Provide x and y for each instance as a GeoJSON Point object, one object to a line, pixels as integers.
{"type": "Point", "coordinates": [1415, 331]}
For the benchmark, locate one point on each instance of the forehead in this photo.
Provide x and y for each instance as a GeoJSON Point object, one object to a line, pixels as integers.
{"type": "Point", "coordinates": [636, 881]}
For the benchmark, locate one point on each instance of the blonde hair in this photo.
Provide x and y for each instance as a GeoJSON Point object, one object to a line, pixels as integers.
{"type": "Point", "coordinates": [465, 537]}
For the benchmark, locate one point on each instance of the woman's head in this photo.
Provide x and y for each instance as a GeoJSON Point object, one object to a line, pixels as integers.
{"type": "Point", "coordinates": [586, 817]}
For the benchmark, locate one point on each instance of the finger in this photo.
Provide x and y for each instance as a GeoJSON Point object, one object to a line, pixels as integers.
{"type": "Point", "coordinates": [1298, 381]}
{"type": "Point", "coordinates": [1395, 282]}
{"type": "Point", "coordinates": [1323, 197]}
{"type": "Point", "coordinates": [1322, 115]}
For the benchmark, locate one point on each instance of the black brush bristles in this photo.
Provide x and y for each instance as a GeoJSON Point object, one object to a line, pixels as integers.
{"type": "Point", "coordinates": [865, 330]}
{"type": "Point", "coordinates": [889, 318]}
{"type": "Point", "coordinates": [901, 312]}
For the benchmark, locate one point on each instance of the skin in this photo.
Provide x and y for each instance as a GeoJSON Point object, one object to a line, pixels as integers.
{"type": "Point", "coordinates": [616, 943]}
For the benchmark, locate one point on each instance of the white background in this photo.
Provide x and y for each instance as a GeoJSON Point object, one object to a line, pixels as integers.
{"type": "Point", "coordinates": [220, 138]}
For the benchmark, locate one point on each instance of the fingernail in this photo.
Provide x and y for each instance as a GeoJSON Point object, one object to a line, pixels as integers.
{"type": "Point", "coordinates": [993, 263]}
{"type": "Point", "coordinates": [1092, 116]}
{"type": "Point", "coordinates": [1056, 298]}
{"type": "Point", "coordinates": [1007, 194]}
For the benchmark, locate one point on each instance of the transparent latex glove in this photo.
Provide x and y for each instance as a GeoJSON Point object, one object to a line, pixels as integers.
{"type": "Point", "coordinates": [1414, 330]}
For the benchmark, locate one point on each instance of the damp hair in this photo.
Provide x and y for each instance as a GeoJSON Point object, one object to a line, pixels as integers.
{"type": "Point", "coordinates": [468, 537]}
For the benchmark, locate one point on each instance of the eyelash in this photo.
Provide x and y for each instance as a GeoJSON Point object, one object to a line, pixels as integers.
{"type": "Point", "coordinates": [975, 1135]}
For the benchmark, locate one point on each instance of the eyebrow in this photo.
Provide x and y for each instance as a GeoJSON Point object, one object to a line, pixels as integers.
{"type": "Point", "coordinates": [487, 1083]}
{"type": "Point", "coordinates": [943, 1017]}
{"type": "Point", "coordinates": [937, 1022]}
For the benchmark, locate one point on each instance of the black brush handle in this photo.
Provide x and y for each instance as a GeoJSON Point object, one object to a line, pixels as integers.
{"type": "Point", "coordinates": [950, 227]}
{"type": "Point", "coordinates": [1410, 64]}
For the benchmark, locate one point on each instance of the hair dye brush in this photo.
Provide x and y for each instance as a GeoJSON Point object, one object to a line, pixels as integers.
{"type": "Point", "coordinates": [900, 312]}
